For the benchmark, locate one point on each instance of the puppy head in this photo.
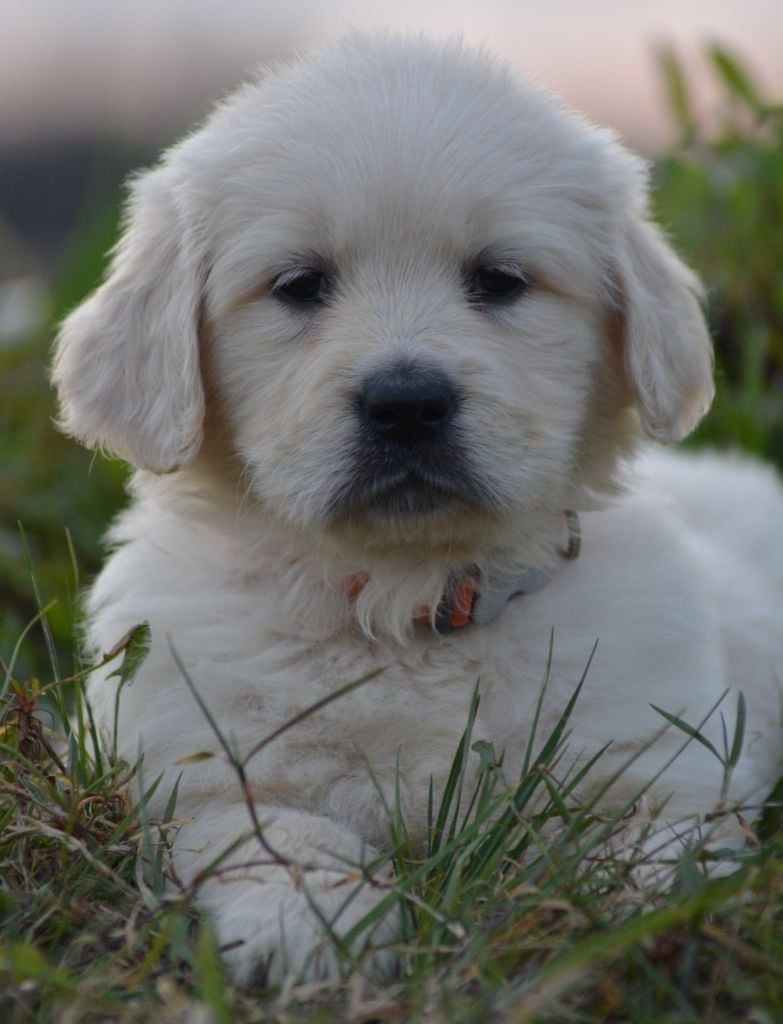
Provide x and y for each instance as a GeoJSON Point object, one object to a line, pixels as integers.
{"type": "Point", "coordinates": [430, 300]}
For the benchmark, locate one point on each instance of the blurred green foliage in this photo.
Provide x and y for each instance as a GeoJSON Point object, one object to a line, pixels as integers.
{"type": "Point", "coordinates": [721, 197]}
{"type": "Point", "coordinates": [56, 498]}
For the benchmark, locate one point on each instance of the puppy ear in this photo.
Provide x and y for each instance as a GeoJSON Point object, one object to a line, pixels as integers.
{"type": "Point", "coordinates": [667, 350]}
{"type": "Point", "coordinates": [127, 361]}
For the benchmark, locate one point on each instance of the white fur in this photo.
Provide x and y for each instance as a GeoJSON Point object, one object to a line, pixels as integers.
{"type": "Point", "coordinates": [397, 164]}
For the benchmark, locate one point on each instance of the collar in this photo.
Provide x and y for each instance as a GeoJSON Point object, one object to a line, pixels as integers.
{"type": "Point", "coordinates": [471, 596]}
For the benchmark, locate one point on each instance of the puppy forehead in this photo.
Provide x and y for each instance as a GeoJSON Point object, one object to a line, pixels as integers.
{"type": "Point", "coordinates": [401, 126]}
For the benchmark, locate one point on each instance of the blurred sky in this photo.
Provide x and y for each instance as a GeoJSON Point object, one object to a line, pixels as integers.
{"type": "Point", "coordinates": [141, 68]}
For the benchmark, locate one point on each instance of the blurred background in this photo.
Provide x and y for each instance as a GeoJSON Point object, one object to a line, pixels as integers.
{"type": "Point", "coordinates": [90, 89]}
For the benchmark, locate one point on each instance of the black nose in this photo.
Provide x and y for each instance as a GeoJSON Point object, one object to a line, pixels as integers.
{"type": "Point", "coordinates": [407, 405]}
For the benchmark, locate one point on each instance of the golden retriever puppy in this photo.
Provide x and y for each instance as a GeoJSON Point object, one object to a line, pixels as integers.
{"type": "Point", "coordinates": [381, 339]}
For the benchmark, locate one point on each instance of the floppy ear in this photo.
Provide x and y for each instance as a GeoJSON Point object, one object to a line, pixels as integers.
{"type": "Point", "coordinates": [127, 361]}
{"type": "Point", "coordinates": [667, 350]}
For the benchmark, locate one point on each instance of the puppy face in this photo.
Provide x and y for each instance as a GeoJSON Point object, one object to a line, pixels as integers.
{"type": "Point", "coordinates": [404, 341]}
{"type": "Point", "coordinates": [428, 301]}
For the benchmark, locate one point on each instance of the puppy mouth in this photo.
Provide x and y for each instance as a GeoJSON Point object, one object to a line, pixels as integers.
{"type": "Point", "coordinates": [411, 493]}
{"type": "Point", "coordinates": [408, 488]}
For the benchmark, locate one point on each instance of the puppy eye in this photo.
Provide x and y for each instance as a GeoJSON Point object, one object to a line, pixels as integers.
{"type": "Point", "coordinates": [493, 284]}
{"type": "Point", "coordinates": [302, 286]}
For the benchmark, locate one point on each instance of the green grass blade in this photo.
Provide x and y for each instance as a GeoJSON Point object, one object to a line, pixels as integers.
{"type": "Point", "coordinates": [689, 730]}
{"type": "Point", "coordinates": [739, 732]}
{"type": "Point", "coordinates": [533, 731]}
{"type": "Point", "coordinates": [452, 789]}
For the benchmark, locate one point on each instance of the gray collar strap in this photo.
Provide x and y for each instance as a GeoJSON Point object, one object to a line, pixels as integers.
{"type": "Point", "coordinates": [472, 597]}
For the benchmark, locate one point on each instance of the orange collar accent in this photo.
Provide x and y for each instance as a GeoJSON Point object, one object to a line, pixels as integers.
{"type": "Point", "coordinates": [454, 611]}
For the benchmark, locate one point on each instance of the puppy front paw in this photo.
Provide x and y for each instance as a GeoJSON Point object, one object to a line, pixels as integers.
{"type": "Point", "coordinates": [283, 926]}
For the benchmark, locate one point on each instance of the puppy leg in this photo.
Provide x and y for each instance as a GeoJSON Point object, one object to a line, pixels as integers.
{"type": "Point", "coordinates": [274, 902]}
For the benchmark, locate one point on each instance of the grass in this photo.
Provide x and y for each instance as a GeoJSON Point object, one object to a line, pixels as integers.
{"type": "Point", "coordinates": [513, 909]}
